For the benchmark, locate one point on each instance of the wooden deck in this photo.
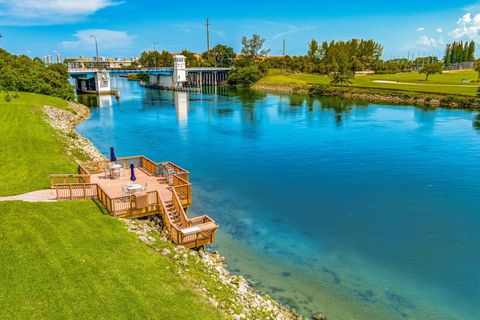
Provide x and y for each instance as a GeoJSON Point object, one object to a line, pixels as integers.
{"type": "Point", "coordinates": [167, 192]}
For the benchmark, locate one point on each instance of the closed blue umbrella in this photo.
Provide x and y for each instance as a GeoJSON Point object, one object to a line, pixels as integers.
{"type": "Point", "coordinates": [113, 158]}
{"type": "Point", "coordinates": [132, 172]}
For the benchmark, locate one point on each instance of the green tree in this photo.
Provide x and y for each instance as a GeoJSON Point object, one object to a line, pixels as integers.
{"type": "Point", "coordinates": [342, 77]}
{"type": "Point", "coordinates": [244, 76]}
{"type": "Point", "coordinates": [221, 56]}
{"type": "Point", "coordinates": [477, 68]}
{"type": "Point", "coordinates": [166, 59]}
{"type": "Point", "coordinates": [191, 59]}
{"type": "Point", "coordinates": [431, 68]}
{"type": "Point", "coordinates": [471, 51]}
{"type": "Point", "coordinates": [20, 73]}
{"type": "Point", "coordinates": [313, 51]}
{"type": "Point", "coordinates": [447, 57]}
{"type": "Point", "coordinates": [252, 48]}
{"type": "Point", "coordinates": [355, 65]}
{"type": "Point", "coordinates": [155, 59]}
{"type": "Point", "coordinates": [149, 59]}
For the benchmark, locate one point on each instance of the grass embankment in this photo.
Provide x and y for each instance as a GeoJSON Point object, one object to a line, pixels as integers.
{"type": "Point", "coordinates": [69, 260]}
{"type": "Point", "coordinates": [30, 147]}
{"type": "Point", "coordinates": [459, 83]}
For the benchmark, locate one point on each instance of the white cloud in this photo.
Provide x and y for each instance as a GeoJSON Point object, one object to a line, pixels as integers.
{"type": "Point", "coordinates": [439, 30]}
{"type": "Point", "coordinates": [107, 39]}
{"type": "Point", "coordinates": [39, 12]}
{"type": "Point", "coordinates": [467, 27]}
{"type": "Point", "coordinates": [430, 42]}
{"type": "Point", "coordinates": [292, 29]}
{"type": "Point", "coordinates": [420, 29]}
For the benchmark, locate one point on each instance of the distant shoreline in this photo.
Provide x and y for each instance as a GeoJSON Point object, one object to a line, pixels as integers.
{"type": "Point", "coordinates": [373, 95]}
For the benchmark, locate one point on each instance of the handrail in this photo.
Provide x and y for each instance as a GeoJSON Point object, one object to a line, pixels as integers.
{"type": "Point", "coordinates": [179, 208]}
{"type": "Point", "coordinates": [65, 178]}
{"type": "Point", "coordinates": [149, 165]}
{"type": "Point", "coordinates": [76, 191]}
{"type": "Point", "coordinates": [183, 189]}
{"type": "Point", "coordinates": [178, 170]}
{"type": "Point", "coordinates": [93, 167]}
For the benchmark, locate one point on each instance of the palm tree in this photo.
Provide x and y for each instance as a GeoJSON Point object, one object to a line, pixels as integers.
{"type": "Point", "coordinates": [342, 77]}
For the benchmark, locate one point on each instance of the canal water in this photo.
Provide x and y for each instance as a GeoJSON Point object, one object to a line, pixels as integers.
{"type": "Point", "coordinates": [355, 210]}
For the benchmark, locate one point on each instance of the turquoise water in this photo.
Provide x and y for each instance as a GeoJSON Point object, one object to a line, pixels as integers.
{"type": "Point", "coordinates": [355, 210]}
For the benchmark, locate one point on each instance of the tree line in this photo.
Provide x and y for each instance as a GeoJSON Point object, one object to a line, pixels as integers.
{"type": "Point", "coordinates": [218, 56]}
{"type": "Point", "coordinates": [459, 52]}
{"type": "Point", "coordinates": [21, 73]}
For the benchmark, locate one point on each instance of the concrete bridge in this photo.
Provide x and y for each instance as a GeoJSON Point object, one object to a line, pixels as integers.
{"type": "Point", "coordinates": [177, 77]}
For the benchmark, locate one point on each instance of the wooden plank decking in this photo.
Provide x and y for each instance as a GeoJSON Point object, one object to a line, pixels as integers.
{"type": "Point", "coordinates": [167, 192]}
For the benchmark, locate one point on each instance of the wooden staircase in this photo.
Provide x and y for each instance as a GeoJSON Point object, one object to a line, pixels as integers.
{"type": "Point", "coordinates": [173, 214]}
{"type": "Point", "coordinates": [191, 233]}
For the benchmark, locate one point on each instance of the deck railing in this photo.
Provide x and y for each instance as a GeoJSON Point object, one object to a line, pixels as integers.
{"type": "Point", "coordinates": [149, 165]}
{"type": "Point", "coordinates": [93, 167]}
{"type": "Point", "coordinates": [183, 189]}
{"type": "Point", "coordinates": [196, 232]}
{"type": "Point", "coordinates": [56, 179]}
{"type": "Point", "coordinates": [190, 233]}
{"type": "Point", "coordinates": [182, 173]}
{"type": "Point", "coordinates": [71, 191]}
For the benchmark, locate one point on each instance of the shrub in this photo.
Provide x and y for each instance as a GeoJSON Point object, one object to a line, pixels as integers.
{"type": "Point", "coordinates": [244, 76]}
{"type": "Point", "coordinates": [20, 73]}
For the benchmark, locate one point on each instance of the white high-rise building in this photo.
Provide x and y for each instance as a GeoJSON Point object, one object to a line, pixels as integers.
{"type": "Point", "coordinates": [47, 59]}
{"type": "Point", "coordinates": [59, 58]}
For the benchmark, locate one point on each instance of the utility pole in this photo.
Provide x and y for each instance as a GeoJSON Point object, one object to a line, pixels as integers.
{"type": "Point", "coordinates": [96, 48]}
{"type": "Point", "coordinates": [284, 47]}
{"type": "Point", "coordinates": [208, 35]}
{"type": "Point", "coordinates": [154, 56]}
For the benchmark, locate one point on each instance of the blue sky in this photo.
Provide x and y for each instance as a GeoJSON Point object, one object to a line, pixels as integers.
{"type": "Point", "coordinates": [125, 28]}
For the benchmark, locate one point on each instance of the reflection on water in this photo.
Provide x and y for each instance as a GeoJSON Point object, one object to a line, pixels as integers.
{"type": "Point", "coordinates": [356, 210]}
{"type": "Point", "coordinates": [181, 105]}
{"type": "Point", "coordinates": [93, 100]}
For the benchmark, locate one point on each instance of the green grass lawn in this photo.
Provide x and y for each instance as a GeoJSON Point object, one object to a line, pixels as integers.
{"type": "Point", "coordinates": [30, 148]}
{"type": "Point", "coordinates": [435, 84]}
{"type": "Point", "coordinates": [68, 261]}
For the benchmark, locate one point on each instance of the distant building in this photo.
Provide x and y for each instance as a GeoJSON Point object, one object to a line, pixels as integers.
{"type": "Point", "coordinates": [103, 63]}
{"type": "Point", "coordinates": [59, 58]}
{"type": "Point", "coordinates": [47, 59]}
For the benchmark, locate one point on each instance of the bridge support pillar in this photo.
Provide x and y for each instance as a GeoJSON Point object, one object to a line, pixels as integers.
{"type": "Point", "coordinates": [98, 82]}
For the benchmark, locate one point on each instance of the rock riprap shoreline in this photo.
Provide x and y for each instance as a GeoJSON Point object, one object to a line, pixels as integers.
{"type": "Point", "coordinates": [205, 270]}
{"type": "Point", "coordinates": [65, 121]}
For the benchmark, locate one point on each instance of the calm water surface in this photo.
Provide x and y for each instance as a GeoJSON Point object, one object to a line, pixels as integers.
{"type": "Point", "coordinates": [359, 211]}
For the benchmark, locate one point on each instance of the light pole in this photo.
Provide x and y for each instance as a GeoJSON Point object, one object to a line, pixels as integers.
{"type": "Point", "coordinates": [96, 48]}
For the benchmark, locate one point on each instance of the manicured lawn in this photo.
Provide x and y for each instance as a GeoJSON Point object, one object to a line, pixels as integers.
{"type": "Point", "coordinates": [67, 260]}
{"type": "Point", "coordinates": [30, 148]}
{"type": "Point", "coordinates": [435, 84]}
